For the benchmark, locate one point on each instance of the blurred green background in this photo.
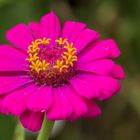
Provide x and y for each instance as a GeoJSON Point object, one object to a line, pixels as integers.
{"type": "Point", "coordinates": [118, 19]}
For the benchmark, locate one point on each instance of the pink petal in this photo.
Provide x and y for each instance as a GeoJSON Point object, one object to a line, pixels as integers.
{"type": "Point", "coordinates": [16, 101]}
{"type": "Point", "coordinates": [12, 59]}
{"type": "Point", "coordinates": [100, 87]}
{"type": "Point", "coordinates": [118, 72]}
{"type": "Point", "coordinates": [32, 120]}
{"type": "Point", "coordinates": [71, 30]}
{"type": "Point", "coordinates": [20, 36]}
{"type": "Point", "coordinates": [90, 90]}
{"type": "Point", "coordinates": [101, 49]}
{"type": "Point", "coordinates": [107, 86]}
{"type": "Point", "coordinates": [2, 110]}
{"type": "Point", "coordinates": [50, 26]}
{"type": "Point", "coordinates": [85, 38]}
{"type": "Point", "coordinates": [102, 67]}
{"type": "Point", "coordinates": [41, 100]}
{"type": "Point", "coordinates": [35, 29]}
{"type": "Point", "coordinates": [11, 83]}
{"type": "Point", "coordinates": [93, 110]}
{"type": "Point", "coordinates": [74, 117]}
{"type": "Point", "coordinates": [77, 103]}
{"type": "Point", "coordinates": [61, 107]}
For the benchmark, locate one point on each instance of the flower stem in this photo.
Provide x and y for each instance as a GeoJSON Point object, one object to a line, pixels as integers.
{"type": "Point", "coordinates": [45, 130]}
{"type": "Point", "coordinates": [19, 132]}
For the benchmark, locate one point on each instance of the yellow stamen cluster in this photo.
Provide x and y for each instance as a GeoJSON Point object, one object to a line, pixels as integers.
{"type": "Point", "coordinates": [33, 50]}
{"type": "Point", "coordinates": [38, 64]}
{"type": "Point", "coordinates": [68, 56]}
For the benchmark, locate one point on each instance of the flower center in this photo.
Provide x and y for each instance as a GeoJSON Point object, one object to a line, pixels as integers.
{"type": "Point", "coordinates": [51, 64]}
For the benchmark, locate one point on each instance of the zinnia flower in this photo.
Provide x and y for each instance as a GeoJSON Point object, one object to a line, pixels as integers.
{"type": "Point", "coordinates": [56, 72]}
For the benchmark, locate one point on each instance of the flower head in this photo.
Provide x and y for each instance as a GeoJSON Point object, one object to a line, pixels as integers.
{"type": "Point", "coordinates": [57, 72]}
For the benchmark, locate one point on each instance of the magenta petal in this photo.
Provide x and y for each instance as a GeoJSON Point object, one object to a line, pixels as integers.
{"type": "Point", "coordinates": [71, 30]}
{"type": "Point", "coordinates": [86, 37]}
{"type": "Point", "coordinates": [11, 83]}
{"type": "Point", "coordinates": [91, 90]}
{"type": "Point", "coordinates": [77, 103]}
{"type": "Point", "coordinates": [61, 107]}
{"type": "Point", "coordinates": [32, 120]}
{"type": "Point", "coordinates": [118, 72]}
{"type": "Point", "coordinates": [102, 67]}
{"type": "Point", "coordinates": [12, 59]}
{"type": "Point", "coordinates": [107, 86]}
{"type": "Point", "coordinates": [74, 117]}
{"type": "Point", "coordinates": [100, 87]}
{"type": "Point", "coordinates": [93, 110]}
{"type": "Point", "coordinates": [41, 100]}
{"type": "Point", "coordinates": [16, 101]}
{"type": "Point", "coordinates": [50, 26]}
{"type": "Point", "coordinates": [2, 110]}
{"type": "Point", "coordinates": [101, 49]}
{"type": "Point", "coordinates": [35, 29]}
{"type": "Point", "coordinates": [20, 36]}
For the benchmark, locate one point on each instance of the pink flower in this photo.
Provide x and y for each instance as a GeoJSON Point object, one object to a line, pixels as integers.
{"type": "Point", "coordinates": [57, 72]}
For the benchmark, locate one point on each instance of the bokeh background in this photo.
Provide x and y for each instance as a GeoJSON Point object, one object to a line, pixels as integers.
{"type": "Point", "coordinates": [117, 19]}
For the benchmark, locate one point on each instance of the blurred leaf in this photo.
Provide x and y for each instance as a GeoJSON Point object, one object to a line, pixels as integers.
{"type": "Point", "coordinates": [3, 2]}
{"type": "Point", "coordinates": [133, 92]}
{"type": "Point", "coordinates": [7, 125]}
